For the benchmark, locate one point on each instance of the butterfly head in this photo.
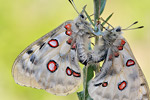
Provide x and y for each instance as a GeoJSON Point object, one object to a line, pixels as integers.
{"type": "Point", "coordinates": [112, 34]}
{"type": "Point", "coordinates": [81, 23]}
{"type": "Point", "coordinates": [116, 32]}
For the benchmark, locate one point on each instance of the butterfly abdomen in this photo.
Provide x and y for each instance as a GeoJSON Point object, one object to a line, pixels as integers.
{"type": "Point", "coordinates": [82, 48]}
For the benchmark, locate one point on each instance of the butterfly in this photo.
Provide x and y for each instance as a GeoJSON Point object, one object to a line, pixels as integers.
{"type": "Point", "coordinates": [120, 77]}
{"type": "Point", "coordinates": [51, 62]}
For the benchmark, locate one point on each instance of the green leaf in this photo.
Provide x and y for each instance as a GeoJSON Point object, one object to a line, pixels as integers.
{"type": "Point", "coordinates": [89, 71]}
{"type": "Point", "coordinates": [88, 75]}
{"type": "Point", "coordinates": [99, 6]}
{"type": "Point", "coordinates": [103, 3]}
{"type": "Point", "coordinates": [80, 95]}
{"type": "Point", "coordinates": [96, 9]}
{"type": "Point", "coordinates": [107, 19]}
{"type": "Point", "coordinates": [88, 17]}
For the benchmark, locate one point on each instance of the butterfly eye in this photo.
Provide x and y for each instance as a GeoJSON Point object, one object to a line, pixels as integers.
{"type": "Point", "coordinates": [118, 29]}
{"type": "Point", "coordinates": [81, 16]}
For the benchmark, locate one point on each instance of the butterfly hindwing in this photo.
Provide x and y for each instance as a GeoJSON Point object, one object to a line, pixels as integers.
{"type": "Point", "coordinates": [50, 63]}
{"type": "Point", "coordinates": [120, 77]}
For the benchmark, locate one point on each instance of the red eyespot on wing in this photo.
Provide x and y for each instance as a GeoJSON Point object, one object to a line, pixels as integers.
{"type": "Point", "coordinates": [52, 66]}
{"type": "Point", "coordinates": [68, 26]}
{"type": "Point", "coordinates": [69, 41]}
{"type": "Point", "coordinates": [68, 33]}
{"type": "Point", "coordinates": [130, 62]}
{"type": "Point", "coordinates": [73, 46]}
{"type": "Point", "coordinates": [76, 74]}
{"type": "Point", "coordinates": [116, 54]}
{"type": "Point", "coordinates": [53, 43]}
{"type": "Point", "coordinates": [68, 71]}
{"type": "Point", "coordinates": [110, 57]}
{"type": "Point", "coordinates": [120, 47]}
{"type": "Point", "coordinates": [122, 85]}
{"type": "Point", "coordinates": [123, 42]}
{"type": "Point", "coordinates": [105, 84]}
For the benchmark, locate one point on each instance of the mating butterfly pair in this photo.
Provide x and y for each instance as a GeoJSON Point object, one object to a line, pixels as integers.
{"type": "Point", "coordinates": [51, 63]}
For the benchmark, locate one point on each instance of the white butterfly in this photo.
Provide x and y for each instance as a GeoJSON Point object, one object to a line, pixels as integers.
{"type": "Point", "coordinates": [51, 62]}
{"type": "Point", "coordinates": [120, 77]}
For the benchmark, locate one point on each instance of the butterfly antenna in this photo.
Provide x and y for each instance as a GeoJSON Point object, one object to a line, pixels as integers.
{"type": "Point", "coordinates": [128, 28]}
{"type": "Point", "coordinates": [131, 25]}
{"type": "Point", "coordinates": [73, 5]}
{"type": "Point", "coordinates": [107, 22]}
{"type": "Point", "coordinates": [134, 28]}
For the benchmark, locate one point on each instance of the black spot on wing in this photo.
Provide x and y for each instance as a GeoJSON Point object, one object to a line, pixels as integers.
{"type": "Point", "coordinates": [29, 51]}
{"type": "Point", "coordinates": [97, 84]}
{"type": "Point", "coordinates": [42, 46]}
{"type": "Point", "coordinates": [32, 58]}
{"type": "Point", "coordinates": [104, 84]}
{"type": "Point", "coordinates": [142, 84]}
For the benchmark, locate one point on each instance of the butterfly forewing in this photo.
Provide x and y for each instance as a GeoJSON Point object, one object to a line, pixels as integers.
{"type": "Point", "coordinates": [50, 63]}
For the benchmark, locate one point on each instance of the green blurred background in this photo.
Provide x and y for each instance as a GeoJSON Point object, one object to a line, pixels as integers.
{"type": "Point", "coordinates": [24, 21]}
